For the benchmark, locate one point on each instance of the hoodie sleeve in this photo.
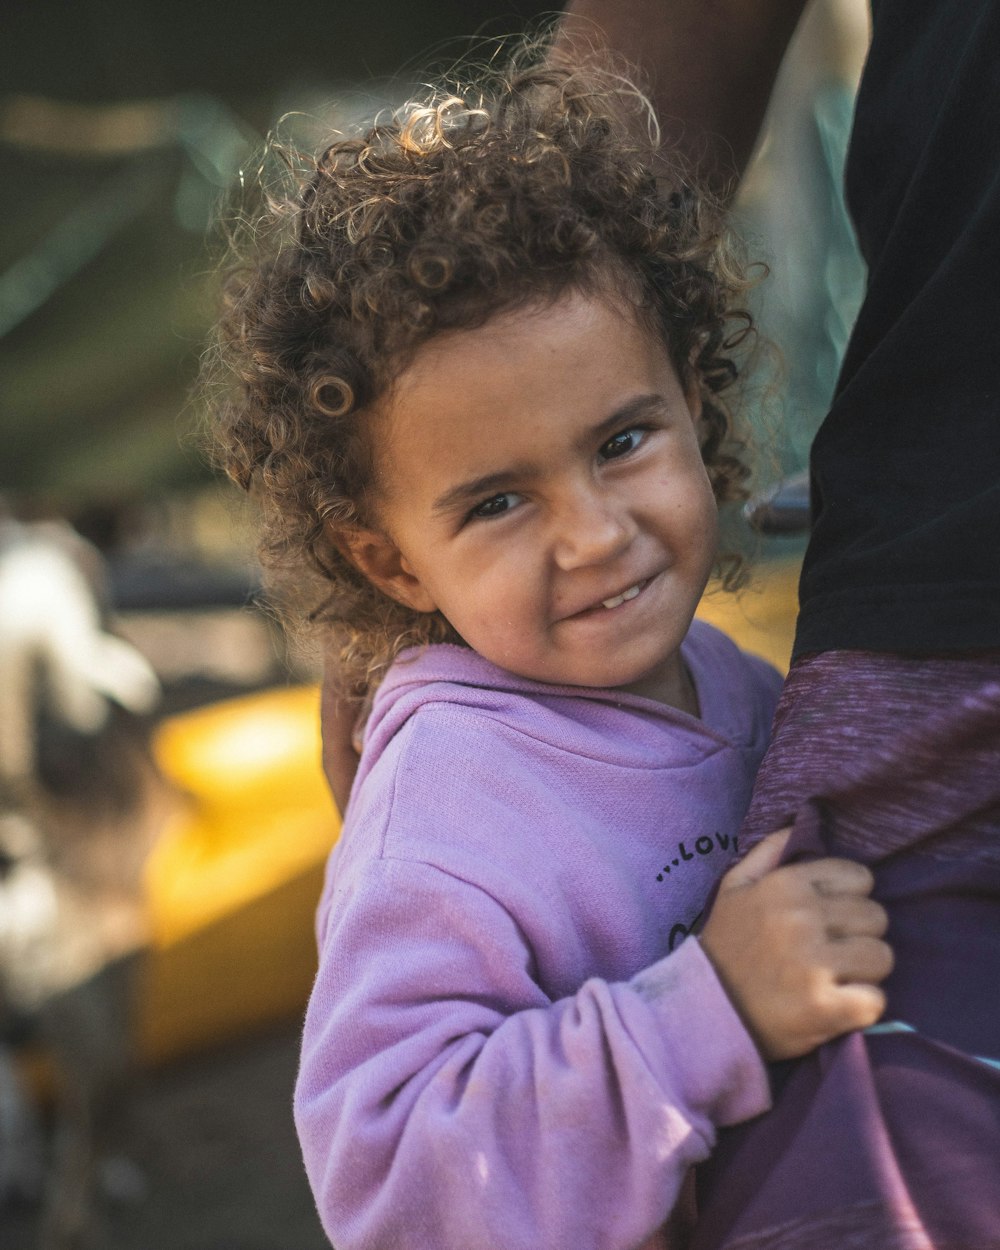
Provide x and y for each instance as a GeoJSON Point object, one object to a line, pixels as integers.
{"type": "Point", "coordinates": [444, 1101]}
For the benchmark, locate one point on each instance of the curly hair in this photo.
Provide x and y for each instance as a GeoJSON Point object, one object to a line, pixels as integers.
{"type": "Point", "coordinates": [451, 211]}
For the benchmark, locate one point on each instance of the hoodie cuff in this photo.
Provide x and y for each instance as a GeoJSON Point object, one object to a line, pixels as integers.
{"type": "Point", "coordinates": [720, 1068]}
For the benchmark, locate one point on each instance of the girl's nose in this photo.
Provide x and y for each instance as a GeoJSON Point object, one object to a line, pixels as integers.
{"type": "Point", "coordinates": [591, 528]}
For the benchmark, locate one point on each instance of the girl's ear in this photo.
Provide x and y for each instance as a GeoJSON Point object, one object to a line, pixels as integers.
{"type": "Point", "coordinates": [378, 558]}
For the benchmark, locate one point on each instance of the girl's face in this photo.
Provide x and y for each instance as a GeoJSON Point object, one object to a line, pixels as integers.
{"type": "Point", "coordinates": [539, 482]}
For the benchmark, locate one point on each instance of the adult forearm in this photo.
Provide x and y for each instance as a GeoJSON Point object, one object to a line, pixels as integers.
{"type": "Point", "coordinates": [709, 66]}
{"type": "Point", "coordinates": [339, 717]}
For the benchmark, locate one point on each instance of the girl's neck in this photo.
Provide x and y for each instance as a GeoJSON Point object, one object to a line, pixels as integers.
{"type": "Point", "coordinates": [671, 684]}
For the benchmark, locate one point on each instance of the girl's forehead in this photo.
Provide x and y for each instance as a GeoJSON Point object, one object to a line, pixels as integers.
{"type": "Point", "coordinates": [516, 338]}
{"type": "Point", "coordinates": [526, 385]}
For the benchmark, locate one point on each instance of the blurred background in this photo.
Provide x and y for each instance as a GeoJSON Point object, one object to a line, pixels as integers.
{"type": "Point", "coordinates": [163, 820]}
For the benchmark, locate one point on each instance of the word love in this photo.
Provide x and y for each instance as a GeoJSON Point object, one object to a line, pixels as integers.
{"type": "Point", "coordinates": [705, 845]}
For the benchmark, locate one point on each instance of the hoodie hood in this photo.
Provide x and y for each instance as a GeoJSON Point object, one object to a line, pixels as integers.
{"type": "Point", "coordinates": [731, 711]}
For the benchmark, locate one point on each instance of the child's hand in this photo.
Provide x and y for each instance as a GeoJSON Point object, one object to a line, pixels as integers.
{"type": "Point", "coordinates": [798, 948]}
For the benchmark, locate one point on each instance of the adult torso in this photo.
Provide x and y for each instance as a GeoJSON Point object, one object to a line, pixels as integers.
{"type": "Point", "coordinates": [905, 554]}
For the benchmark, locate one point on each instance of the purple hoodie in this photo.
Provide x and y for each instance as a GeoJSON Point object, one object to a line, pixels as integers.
{"type": "Point", "coordinates": [510, 1044]}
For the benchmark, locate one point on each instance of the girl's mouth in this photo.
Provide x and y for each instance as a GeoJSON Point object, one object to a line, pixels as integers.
{"type": "Point", "coordinates": [617, 600]}
{"type": "Point", "coordinates": [599, 607]}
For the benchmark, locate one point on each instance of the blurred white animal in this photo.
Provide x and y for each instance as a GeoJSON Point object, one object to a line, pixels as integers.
{"type": "Point", "coordinates": [71, 913]}
{"type": "Point", "coordinates": [53, 645]}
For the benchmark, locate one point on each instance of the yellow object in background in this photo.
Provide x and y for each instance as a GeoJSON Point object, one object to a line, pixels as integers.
{"type": "Point", "coordinates": [760, 618]}
{"type": "Point", "coordinates": [234, 879]}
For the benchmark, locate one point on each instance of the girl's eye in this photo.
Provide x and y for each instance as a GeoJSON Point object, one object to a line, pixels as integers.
{"type": "Point", "coordinates": [497, 505]}
{"type": "Point", "coordinates": [621, 444]}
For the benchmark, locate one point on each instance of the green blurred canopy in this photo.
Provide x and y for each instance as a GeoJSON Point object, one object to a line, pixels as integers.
{"type": "Point", "coordinates": [120, 124]}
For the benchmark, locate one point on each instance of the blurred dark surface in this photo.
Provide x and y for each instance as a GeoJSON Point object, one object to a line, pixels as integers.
{"type": "Point", "coordinates": [97, 51]}
{"type": "Point", "coordinates": [212, 1162]}
{"type": "Point", "coordinates": [105, 274]}
{"type": "Point", "coordinates": [146, 584]}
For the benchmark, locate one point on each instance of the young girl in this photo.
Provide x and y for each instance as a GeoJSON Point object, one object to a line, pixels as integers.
{"type": "Point", "coordinates": [480, 391]}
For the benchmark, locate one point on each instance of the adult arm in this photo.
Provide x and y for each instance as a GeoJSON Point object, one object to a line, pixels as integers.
{"type": "Point", "coordinates": [710, 66]}
{"type": "Point", "coordinates": [338, 718]}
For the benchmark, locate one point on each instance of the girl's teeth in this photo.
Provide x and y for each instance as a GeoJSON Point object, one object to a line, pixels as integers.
{"type": "Point", "coordinates": [622, 598]}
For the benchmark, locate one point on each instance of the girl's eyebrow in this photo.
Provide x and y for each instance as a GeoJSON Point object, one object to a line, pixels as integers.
{"type": "Point", "coordinates": [467, 493]}
{"type": "Point", "coordinates": [633, 410]}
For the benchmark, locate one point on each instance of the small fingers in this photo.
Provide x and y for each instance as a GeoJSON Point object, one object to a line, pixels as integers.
{"type": "Point", "coordinates": [859, 1006]}
{"type": "Point", "coordinates": [862, 959]}
{"type": "Point", "coordinates": [837, 876]}
{"type": "Point", "coordinates": [841, 876]}
{"type": "Point", "coordinates": [759, 861]}
{"type": "Point", "coordinates": [852, 915]}
{"type": "Point", "coordinates": [841, 1009]}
